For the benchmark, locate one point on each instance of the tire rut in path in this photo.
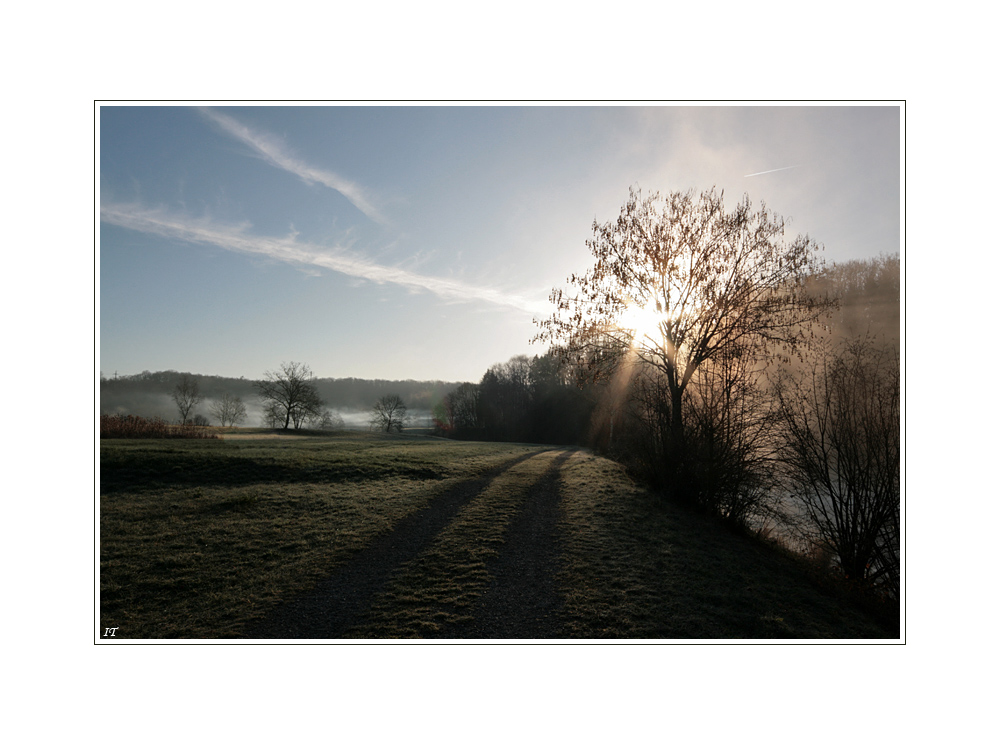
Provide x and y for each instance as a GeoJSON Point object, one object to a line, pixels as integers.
{"type": "Point", "coordinates": [523, 600]}
{"type": "Point", "coordinates": [337, 602]}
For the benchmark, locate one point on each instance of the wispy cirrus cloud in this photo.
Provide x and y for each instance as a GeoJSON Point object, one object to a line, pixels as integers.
{"type": "Point", "coordinates": [292, 251]}
{"type": "Point", "coordinates": [271, 149]}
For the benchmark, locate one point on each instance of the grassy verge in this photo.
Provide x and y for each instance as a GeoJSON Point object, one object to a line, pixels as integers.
{"type": "Point", "coordinates": [637, 567]}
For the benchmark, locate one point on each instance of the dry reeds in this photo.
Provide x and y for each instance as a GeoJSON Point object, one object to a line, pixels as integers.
{"type": "Point", "coordinates": [131, 427]}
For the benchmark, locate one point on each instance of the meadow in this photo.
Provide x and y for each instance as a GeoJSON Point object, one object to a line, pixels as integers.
{"type": "Point", "coordinates": [350, 535]}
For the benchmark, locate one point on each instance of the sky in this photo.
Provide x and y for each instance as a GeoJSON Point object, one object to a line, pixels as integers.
{"type": "Point", "coordinates": [420, 242]}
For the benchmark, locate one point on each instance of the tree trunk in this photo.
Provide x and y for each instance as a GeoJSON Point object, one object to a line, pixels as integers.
{"type": "Point", "coordinates": [676, 418]}
{"type": "Point", "coordinates": [678, 465]}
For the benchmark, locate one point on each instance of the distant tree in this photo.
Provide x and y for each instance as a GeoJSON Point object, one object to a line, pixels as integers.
{"type": "Point", "coordinates": [200, 420]}
{"type": "Point", "coordinates": [463, 407]}
{"type": "Point", "coordinates": [330, 420]}
{"type": "Point", "coordinates": [289, 395]}
{"type": "Point", "coordinates": [309, 411]}
{"type": "Point", "coordinates": [229, 410]}
{"type": "Point", "coordinates": [186, 396]}
{"type": "Point", "coordinates": [272, 416]}
{"type": "Point", "coordinates": [389, 414]}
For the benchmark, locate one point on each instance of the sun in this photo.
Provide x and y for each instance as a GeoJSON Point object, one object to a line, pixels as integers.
{"type": "Point", "coordinates": [643, 321]}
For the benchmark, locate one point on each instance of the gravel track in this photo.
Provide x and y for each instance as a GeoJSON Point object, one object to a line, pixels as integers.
{"type": "Point", "coordinates": [523, 601]}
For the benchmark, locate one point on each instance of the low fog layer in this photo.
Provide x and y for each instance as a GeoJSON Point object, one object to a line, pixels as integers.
{"type": "Point", "coordinates": [148, 394]}
{"type": "Point", "coordinates": [162, 405]}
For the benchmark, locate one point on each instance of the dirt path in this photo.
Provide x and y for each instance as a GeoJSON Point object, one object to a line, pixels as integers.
{"type": "Point", "coordinates": [521, 599]}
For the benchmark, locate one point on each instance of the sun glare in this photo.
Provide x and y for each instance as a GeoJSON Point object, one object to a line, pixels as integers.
{"type": "Point", "coordinates": [643, 322]}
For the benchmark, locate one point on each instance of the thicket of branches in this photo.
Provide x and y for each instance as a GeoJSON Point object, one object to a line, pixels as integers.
{"type": "Point", "coordinates": [840, 448]}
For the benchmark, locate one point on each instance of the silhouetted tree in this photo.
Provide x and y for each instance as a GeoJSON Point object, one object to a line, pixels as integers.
{"type": "Point", "coordinates": [560, 408]}
{"type": "Point", "coordinates": [186, 396]}
{"type": "Point", "coordinates": [229, 410]}
{"type": "Point", "coordinates": [504, 398]}
{"type": "Point", "coordinates": [289, 395]}
{"type": "Point", "coordinates": [678, 281]}
{"type": "Point", "coordinates": [389, 414]}
{"type": "Point", "coordinates": [461, 410]}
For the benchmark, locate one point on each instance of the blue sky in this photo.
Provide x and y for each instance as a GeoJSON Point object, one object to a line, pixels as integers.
{"type": "Point", "coordinates": [420, 242]}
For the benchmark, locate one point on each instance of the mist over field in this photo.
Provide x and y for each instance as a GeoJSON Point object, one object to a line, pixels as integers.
{"type": "Point", "coordinates": [148, 394]}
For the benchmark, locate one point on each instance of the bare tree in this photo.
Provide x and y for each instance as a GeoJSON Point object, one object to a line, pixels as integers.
{"type": "Point", "coordinates": [679, 285]}
{"type": "Point", "coordinates": [289, 395]}
{"type": "Point", "coordinates": [229, 410]}
{"type": "Point", "coordinates": [678, 281]}
{"type": "Point", "coordinates": [186, 396]}
{"type": "Point", "coordinates": [272, 415]}
{"type": "Point", "coordinates": [841, 447]}
{"type": "Point", "coordinates": [389, 414]}
{"type": "Point", "coordinates": [331, 420]}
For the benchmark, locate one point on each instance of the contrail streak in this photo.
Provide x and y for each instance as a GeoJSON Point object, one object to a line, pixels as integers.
{"type": "Point", "coordinates": [773, 170]}
{"type": "Point", "coordinates": [290, 251]}
{"type": "Point", "coordinates": [273, 151]}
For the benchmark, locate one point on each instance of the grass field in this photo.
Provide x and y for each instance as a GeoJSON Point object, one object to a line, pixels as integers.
{"type": "Point", "coordinates": [206, 539]}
